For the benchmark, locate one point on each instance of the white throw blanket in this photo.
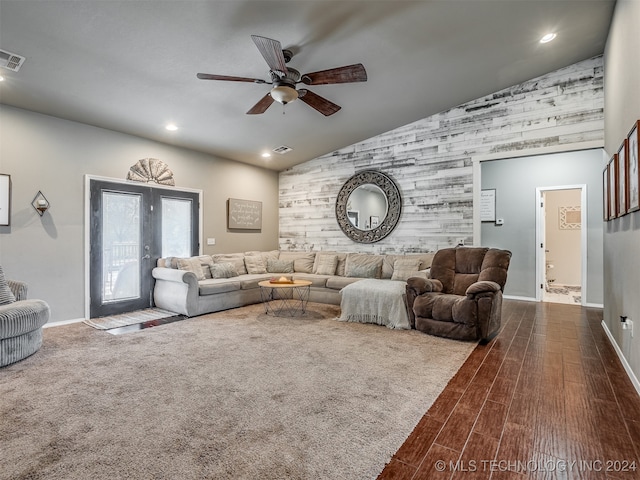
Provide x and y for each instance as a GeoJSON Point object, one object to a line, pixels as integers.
{"type": "Point", "coordinates": [375, 301]}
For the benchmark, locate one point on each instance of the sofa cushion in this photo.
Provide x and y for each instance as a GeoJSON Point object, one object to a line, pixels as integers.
{"type": "Point", "coordinates": [279, 266]}
{"type": "Point", "coordinates": [6, 295]}
{"type": "Point", "coordinates": [403, 268]}
{"type": "Point", "coordinates": [236, 258]}
{"type": "Point", "coordinates": [445, 308]}
{"type": "Point", "coordinates": [255, 264]}
{"type": "Point", "coordinates": [217, 285]}
{"type": "Point", "coordinates": [275, 254]}
{"type": "Point", "coordinates": [318, 281]}
{"type": "Point", "coordinates": [387, 264]}
{"type": "Point", "coordinates": [247, 282]}
{"type": "Point", "coordinates": [362, 265]}
{"type": "Point", "coordinates": [341, 256]}
{"type": "Point", "coordinates": [325, 264]}
{"type": "Point", "coordinates": [302, 261]}
{"type": "Point", "coordinates": [205, 262]}
{"type": "Point", "coordinates": [191, 265]}
{"type": "Point", "coordinates": [223, 270]}
{"type": "Point", "coordinates": [338, 283]}
{"type": "Point", "coordinates": [425, 259]}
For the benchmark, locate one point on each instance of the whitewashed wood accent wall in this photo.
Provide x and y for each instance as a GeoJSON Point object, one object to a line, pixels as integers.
{"type": "Point", "coordinates": [430, 160]}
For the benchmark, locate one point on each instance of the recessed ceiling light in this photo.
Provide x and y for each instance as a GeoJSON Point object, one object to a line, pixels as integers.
{"type": "Point", "coordinates": [1, 78]}
{"type": "Point", "coordinates": [171, 127]}
{"type": "Point", "coordinates": [265, 155]}
{"type": "Point", "coordinates": [548, 37]}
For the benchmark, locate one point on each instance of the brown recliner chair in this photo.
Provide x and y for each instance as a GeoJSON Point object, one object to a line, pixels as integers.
{"type": "Point", "coordinates": [462, 299]}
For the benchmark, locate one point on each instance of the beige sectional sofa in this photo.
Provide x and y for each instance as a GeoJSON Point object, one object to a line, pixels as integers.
{"type": "Point", "coordinates": [210, 283]}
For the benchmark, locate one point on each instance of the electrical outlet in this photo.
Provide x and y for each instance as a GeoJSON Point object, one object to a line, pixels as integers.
{"type": "Point", "coordinates": [211, 241]}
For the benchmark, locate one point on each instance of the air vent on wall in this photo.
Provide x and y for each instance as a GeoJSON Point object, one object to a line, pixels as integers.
{"type": "Point", "coordinates": [11, 61]}
{"type": "Point", "coordinates": [282, 149]}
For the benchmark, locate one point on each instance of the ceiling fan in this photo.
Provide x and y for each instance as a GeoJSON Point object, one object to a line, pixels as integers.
{"type": "Point", "coordinates": [284, 80]}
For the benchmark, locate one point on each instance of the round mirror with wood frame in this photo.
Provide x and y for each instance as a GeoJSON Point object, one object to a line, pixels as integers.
{"type": "Point", "coordinates": [364, 230]}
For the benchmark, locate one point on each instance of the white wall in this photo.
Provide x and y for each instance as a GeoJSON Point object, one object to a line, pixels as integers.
{"type": "Point", "coordinates": [53, 155]}
{"type": "Point", "coordinates": [622, 236]}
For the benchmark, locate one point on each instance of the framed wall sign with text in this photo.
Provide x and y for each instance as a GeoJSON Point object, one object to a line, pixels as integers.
{"type": "Point", "coordinates": [488, 205]}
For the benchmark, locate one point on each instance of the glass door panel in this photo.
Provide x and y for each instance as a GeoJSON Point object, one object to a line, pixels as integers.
{"type": "Point", "coordinates": [176, 227]}
{"type": "Point", "coordinates": [121, 246]}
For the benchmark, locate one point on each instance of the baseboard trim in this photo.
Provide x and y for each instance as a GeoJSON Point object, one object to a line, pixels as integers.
{"type": "Point", "coordinates": [593, 305]}
{"type": "Point", "coordinates": [60, 323]}
{"type": "Point", "coordinates": [524, 299]}
{"type": "Point", "coordinates": [625, 364]}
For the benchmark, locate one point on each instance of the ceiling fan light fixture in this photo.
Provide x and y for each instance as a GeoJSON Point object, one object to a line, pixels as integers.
{"type": "Point", "coordinates": [284, 94]}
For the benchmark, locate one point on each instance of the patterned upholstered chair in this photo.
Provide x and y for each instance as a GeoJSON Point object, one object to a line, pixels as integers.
{"type": "Point", "coordinates": [462, 299]}
{"type": "Point", "coordinates": [21, 321]}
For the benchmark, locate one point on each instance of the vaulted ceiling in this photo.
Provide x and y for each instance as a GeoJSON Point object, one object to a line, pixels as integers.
{"type": "Point", "coordinates": [131, 66]}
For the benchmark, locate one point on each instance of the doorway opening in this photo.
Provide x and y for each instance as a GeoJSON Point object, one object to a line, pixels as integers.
{"type": "Point", "coordinates": [562, 244]}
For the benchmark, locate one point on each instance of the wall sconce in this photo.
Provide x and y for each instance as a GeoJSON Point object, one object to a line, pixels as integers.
{"type": "Point", "coordinates": [40, 203]}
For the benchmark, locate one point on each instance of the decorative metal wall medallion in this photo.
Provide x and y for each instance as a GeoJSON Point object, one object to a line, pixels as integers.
{"type": "Point", "coordinates": [386, 225]}
{"type": "Point", "coordinates": [151, 170]}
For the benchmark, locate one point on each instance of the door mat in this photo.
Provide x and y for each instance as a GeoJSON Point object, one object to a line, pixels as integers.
{"type": "Point", "coordinates": [129, 318]}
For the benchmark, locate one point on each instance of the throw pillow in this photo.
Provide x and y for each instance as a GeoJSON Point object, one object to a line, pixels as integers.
{"type": "Point", "coordinates": [362, 265]}
{"type": "Point", "coordinates": [254, 264]}
{"type": "Point", "coordinates": [325, 264]}
{"type": "Point", "coordinates": [223, 270]}
{"type": "Point", "coordinates": [302, 261]}
{"type": "Point", "coordinates": [279, 266]}
{"type": "Point", "coordinates": [405, 268]}
{"type": "Point", "coordinates": [191, 265]}
{"type": "Point", "coordinates": [205, 262]}
{"type": "Point", "coordinates": [236, 259]}
{"type": "Point", "coordinates": [363, 271]}
{"type": "Point", "coordinates": [6, 295]}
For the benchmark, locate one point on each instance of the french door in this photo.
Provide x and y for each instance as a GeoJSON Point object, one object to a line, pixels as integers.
{"type": "Point", "coordinates": [131, 226]}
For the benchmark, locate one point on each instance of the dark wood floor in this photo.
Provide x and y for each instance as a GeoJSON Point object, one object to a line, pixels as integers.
{"type": "Point", "coordinates": [547, 399]}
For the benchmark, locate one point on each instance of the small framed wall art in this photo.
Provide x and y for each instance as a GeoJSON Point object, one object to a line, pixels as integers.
{"type": "Point", "coordinates": [623, 178]}
{"type": "Point", "coordinates": [613, 187]}
{"type": "Point", "coordinates": [633, 170]}
{"type": "Point", "coordinates": [5, 200]}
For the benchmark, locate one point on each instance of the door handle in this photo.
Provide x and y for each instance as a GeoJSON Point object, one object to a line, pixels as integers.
{"type": "Point", "coordinates": [147, 256]}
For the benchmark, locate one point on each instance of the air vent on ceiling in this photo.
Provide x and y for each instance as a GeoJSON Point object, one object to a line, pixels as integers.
{"type": "Point", "coordinates": [11, 61]}
{"type": "Point", "coordinates": [282, 149]}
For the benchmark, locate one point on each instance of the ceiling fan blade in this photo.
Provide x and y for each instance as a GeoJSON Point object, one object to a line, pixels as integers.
{"type": "Point", "coordinates": [271, 51]}
{"type": "Point", "coordinates": [321, 104]}
{"type": "Point", "coordinates": [260, 107]}
{"type": "Point", "coordinates": [209, 76]}
{"type": "Point", "coordinates": [348, 74]}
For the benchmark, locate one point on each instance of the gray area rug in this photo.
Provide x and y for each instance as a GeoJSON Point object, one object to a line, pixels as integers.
{"type": "Point", "coordinates": [130, 318]}
{"type": "Point", "coordinates": [230, 395]}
